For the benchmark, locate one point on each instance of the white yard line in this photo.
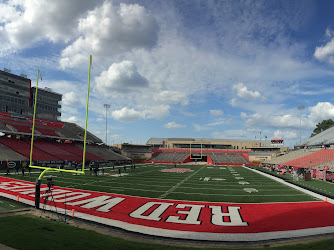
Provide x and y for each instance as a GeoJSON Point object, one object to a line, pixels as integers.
{"type": "Point", "coordinates": [248, 195]}
{"type": "Point", "coordinates": [178, 184]}
{"type": "Point", "coordinates": [318, 196]}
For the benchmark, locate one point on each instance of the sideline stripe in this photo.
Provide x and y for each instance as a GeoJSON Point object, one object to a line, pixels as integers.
{"type": "Point", "coordinates": [276, 195]}
{"type": "Point", "coordinates": [318, 196]}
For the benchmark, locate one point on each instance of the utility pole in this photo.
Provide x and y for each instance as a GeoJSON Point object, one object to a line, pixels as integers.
{"type": "Point", "coordinates": [106, 106]}
{"type": "Point", "coordinates": [300, 108]}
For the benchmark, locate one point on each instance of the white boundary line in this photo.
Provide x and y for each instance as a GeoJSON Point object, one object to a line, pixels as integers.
{"type": "Point", "coordinates": [313, 194]}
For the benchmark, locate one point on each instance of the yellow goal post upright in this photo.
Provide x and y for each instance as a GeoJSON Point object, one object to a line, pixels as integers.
{"type": "Point", "coordinates": [46, 169]}
{"type": "Point", "coordinates": [201, 151]}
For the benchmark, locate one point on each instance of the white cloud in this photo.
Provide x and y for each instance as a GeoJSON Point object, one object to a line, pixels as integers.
{"type": "Point", "coordinates": [69, 110]}
{"type": "Point", "coordinates": [73, 119]}
{"type": "Point", "coordinates": [321, 111]}
{"type": "Point", "coordinates": [109, 30]}
{"type": "Point", "coordinates": [158, 112]}
{"type": "Point", "coordinates": [217, 123]}
{"type": "Point", "coordinates": [234, 102]}
{"type": "Point", "coordinates": [73, 98]}
{"type": "Point", "coordinates": [171, 125]}
{"type": "Point", "coordinates": [329, 32]}
{"type": "Point", "coordinates": [285, 134]}
{"type": "Point", "coordinates": [229, 134]}
{"type": "Point", "coordinates": [127, 115]}
{"type": "Point", "coordinates": [290, 118]}
{"type": "Point", "coordinates": [273, 121]}
{"type": "Point", "coordinates": [29, 21]}
{"type": "Point", "coordinates": [121, 77]}
{"type": "Point", "coordinates": [325, 53]}
{"type": "Point", "coordinates": [244, 93]}
{"type": "Point", "coordinates": [171, 97]}
{"type": "Point", "coordinates": [200, 128]}
{"type": "Point", "coordinates": [216, 112]}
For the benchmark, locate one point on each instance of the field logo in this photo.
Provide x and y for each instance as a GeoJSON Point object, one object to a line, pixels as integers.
{"type": "Point", "coordinates": [176, 170]}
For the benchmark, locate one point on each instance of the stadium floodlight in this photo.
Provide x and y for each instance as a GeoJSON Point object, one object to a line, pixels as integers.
{"type": "Point", "coordinates": [106, 106]}
{"type": "Point", "coordinates": [301, 108]}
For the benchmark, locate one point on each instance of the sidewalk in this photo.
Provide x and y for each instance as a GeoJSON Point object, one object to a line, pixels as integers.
{"type": "Point", "coordinates": [4, 247]}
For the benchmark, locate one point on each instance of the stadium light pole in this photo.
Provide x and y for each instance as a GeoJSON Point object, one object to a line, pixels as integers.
{"type": "Point", "coordinates": [107, 106]}
{"type": "Point", "coordinates": [301, 108]}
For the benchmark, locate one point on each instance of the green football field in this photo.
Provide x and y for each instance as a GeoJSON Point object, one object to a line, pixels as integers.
{"type": "Point", "coordinates": [195, 183]}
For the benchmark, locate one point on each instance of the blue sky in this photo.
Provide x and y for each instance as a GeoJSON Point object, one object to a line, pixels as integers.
{"type": "Point", "coordinates": [206, 69]}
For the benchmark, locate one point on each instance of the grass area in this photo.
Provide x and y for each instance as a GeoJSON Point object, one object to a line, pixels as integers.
{"type": "Point", "coordinates": [28, 232]}
{"type": "Point", "coordinates": [6, 205]}
{"type": "Point", "coordinates": [200, 183]}
{"type": "Point", "coordinates": [316, 185]}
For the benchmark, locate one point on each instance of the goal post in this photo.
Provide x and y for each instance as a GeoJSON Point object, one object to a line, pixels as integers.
{"type": "Point", "coordinates": [46, 169]}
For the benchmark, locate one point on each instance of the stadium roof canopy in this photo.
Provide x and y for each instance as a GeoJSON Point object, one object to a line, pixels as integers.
{"type": "Point", "coordinates": [324, 138]}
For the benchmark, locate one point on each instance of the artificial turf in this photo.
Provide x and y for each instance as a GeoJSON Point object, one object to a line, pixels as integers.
{"type": "Point", "coordinates": [199, 183]}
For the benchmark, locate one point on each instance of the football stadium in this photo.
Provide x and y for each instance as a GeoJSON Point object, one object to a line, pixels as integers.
{"type": "Point", "coordinates": [182, 190]}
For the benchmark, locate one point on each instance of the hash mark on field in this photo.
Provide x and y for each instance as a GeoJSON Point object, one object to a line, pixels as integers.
{"type": "Point", "coordinates": [178, 184]}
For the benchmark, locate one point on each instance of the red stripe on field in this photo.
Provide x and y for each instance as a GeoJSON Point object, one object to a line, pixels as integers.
{"type": "Point", "coordinates": [270, 217]}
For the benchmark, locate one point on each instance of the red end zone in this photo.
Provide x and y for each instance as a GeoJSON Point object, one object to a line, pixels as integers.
{"type": "Point", "coordinates": [185, 219]}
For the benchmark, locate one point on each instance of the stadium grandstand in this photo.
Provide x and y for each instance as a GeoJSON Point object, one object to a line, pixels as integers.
{"type": "Point", "coordinates": [213, 151]}
{"type": "Point", "coordinates": [315, 155]}
{"type": "Point", "coordinates": [55, 142]}
{"type": "Point", "coordinates": [324, 139]}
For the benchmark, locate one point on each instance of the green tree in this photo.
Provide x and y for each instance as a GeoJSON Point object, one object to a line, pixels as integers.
{"type": "Point", "coordinates": [322, 126]}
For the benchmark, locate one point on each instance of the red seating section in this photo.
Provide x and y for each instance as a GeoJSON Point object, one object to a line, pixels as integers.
{"type": "Point", "coordinates": [311, 160]}
{"type": "Point", "coordinates": [44, 131]}
{"type": "Point", "coordinates": [29, 120]}
{"type": "Point", "coordinates": [23, 148]}
{"type": "Point", "coordinates": [21, 128]}
{"type": "Point", "coordinates": [53, 149]}
{"type": "Point", "coordinates": [78, 151]}
{"type": "Point", "coordinates": [48, 151]}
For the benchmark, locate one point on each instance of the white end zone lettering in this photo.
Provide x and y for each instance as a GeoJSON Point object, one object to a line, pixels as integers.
{"type": "Point", "coordinates": [10, 185]}
{"type": "Point", "coordinates": [65, 197]}
{"type": "Point", "coordinates": [104, 202]}
{"type": "Point", "coordinates": [154, 215]}
{"type": "Point", "coordinates": [192, 215]}
{"type": "Point", "coordinates": [235, 218]}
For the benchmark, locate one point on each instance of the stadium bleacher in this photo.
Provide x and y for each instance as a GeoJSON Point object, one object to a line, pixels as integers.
{"type": "Point", "coordinates": [53, 149]}
{"type": "Point", "coordinates": [20, 128]}
{"type": "Point", "coordinates": [292, 156]}
{"type": "Point", "coordinates": [325, 137]}
{"type": "Point", "coordinates": [48, 132]}
{"type": "Point", "coordinates": [15, 145]}
{"type": "Point", "coordinates": [23, 148]}
{"type": "Point", "coordinates": [104, 153]}
{"type": "Point", "coordinates": [311, 160]}
{"type": "Point", "coordinates": [7, 153]}
{"type": "Point", "coordinates": [78, 151]}
{"type": "Point", "coordinates": [43, 128]}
